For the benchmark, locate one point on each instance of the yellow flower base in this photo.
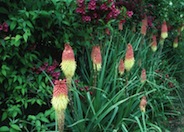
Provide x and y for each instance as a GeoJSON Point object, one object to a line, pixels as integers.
{"type": "Point", "coordinates": [60, 102]}
{"type": "Point", "coordinates": [129, 64]}
{"type": "Point", "coordinates": [154, 48]}
{"type": "Point", "coordinates": [68, 67]}
{"type": "Point", "coordinates": [164, 35]}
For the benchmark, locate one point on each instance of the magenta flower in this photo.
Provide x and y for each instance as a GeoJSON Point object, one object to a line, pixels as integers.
{"type": "Point", "coordinates": [86, 18]}
{"type": "Point", "coordinates": [55, 63]}
{"type": "Point", "coordinates": [150, 21]}
{"type": "Point", "coordinates": [116, 12]}
{"type": "Point", "coordinates": [129, 13]}
{"type": "Point", "coordinates": [104, 7]}
{"type": "Point", "coordinates": [56, 75]}
{"type": "Point", "coordinates": [46, 64]}
{"type": "Point", "coordinates": [80, 3]}
{"type": "Point", "coordinates": [92, 5]}
{"type": "Point", "coordinates": [80, 10]}
{"type": "Point", "coordinates": [5, 27]}
{"type": "Point", "coordinates": [42, 68]}
{"type": "Point", "coordinates": [1, 27]}
{"type": "Point", "coordinates": [51, 69]}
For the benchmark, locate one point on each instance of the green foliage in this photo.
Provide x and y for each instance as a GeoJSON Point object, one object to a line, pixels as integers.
{"type": "Point", "coordinates": [112, 103]}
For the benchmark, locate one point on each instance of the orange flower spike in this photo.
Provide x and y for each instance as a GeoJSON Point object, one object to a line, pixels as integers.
{"type": "Point", "coordinates": [60, 96]}
{"type": "Point", "coordinates": [143, 104]}
{"type": "Point", "coordinates": [96, 58]}
{"type": "Point", "coordinates": [68, 64]}
{"type": "Point", "coordinates": [60, 101]}
{"type": "Point", "coordinates": [175, 43]}
{"type": "Point", "coordinates": [129, 58]}
{"type": "Point", "coordinates": [143, 76]}
{"type": "Point", "coordinates": [164, 30]}
{"type": "Point", "coordinates": [120, 26]}
{"type": "Point", "coordinates": [121, 67]}
{"type": "Point", "coordinates": [144, 26]}
{"type": "Point", "coordinates": [154, 43]}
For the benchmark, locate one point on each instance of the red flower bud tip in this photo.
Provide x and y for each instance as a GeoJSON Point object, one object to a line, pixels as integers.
{"type": "Point", "coordinates": [96, 58]}
{"type": "Point", "coordinates": [121, 67]}
{"type": "Point", "coordinates": [120, 25]}
{"type": "Point", "coordinates": [143, 76]}
{"type": "Point", "coordinates": [144, 26]}
{"type": "Point", "coordinates": [68, 64]}
{"type": "Point", "coordinates": [175, 43]}
{"type": "Point", "coordinates": [60, 95]}
{"type": "Point", "coordinates": [129, 58]}
{"type": "Point", "coordinates": [154, 43]}
{"type": "Point", "coordinates": [107, 31]}
{"type": "Point", "coordinates": [164, 30]}
{"type": "Point", "coordinates": [143, 104]}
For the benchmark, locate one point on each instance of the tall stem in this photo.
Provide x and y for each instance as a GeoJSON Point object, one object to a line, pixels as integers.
{"type": "Point", "coordinates": [60, 120]}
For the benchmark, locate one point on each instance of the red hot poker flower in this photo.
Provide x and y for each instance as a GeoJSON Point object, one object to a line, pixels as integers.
{"type": "Point", "coordinates": [175, 43]}
{"type": "Point", "coordinates": [143, 76]}
{"type": "Point", "coordinates": [60, 101]}
{"type": "Point", "coordinates": [154, 43]}
{"type": "Point", "coordinates": [129, 58]}
{"type": "Point", "coordinates": [121, 67]}
{"type": "Point", "coordinates": [68, 64]}
{"type": "Point", "coordinates": [60, 95]}
{"type": "Point", "coordinates": [164, 30]}
{"type": "Point", "coordinates": [96, 58]}
{"type": "Point", "coordinates": [144, 26]}
{"type": "Point", "coordinates": [143, 104]}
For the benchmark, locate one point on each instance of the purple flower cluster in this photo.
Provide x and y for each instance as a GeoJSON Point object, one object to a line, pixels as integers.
{"type": "Point", "coordinates": [49, 69]}
{"type": "Point", "coordinates": [4, 27]}
{"type": "Point", "coordinates": [82, 88]}
{"type": "Point", "coordinates": [95, 10]}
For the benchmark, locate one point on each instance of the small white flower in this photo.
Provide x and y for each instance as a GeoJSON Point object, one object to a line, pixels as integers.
{"type": "Point", "coordinates": [170, 3]}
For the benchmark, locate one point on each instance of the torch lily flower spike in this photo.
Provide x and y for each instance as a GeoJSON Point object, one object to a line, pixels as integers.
{"type": "Point", "coordinates": [129, 58]}
{"type": "Point", "coordinates": [68, 64]}
{"type": "Point", "coordinates": [164, 30]}
{"type": "Point", "coordinates": [143, 76]}
{"type": "Point", "coordinates": [143, 104]}
{"type": "Point", "coordinates": [154, 43]}
{"type": "Point", "coordinates": [121, 67]}
{"type": "Point", "coordinates": [175, 43]}
{"type": "Point", "coordinates": [96, 58]}
{"type": "Point", "coordinates": [60, 101]}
